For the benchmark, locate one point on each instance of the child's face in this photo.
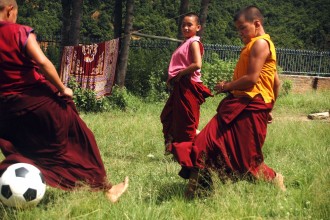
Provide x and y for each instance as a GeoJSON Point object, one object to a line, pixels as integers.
{"type": "Point", "coordinates": [189, 27]}
{"type": "Point", "coordinates": [246, 29]}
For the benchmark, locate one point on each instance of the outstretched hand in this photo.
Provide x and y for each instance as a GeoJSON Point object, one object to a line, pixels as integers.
{"type": "Point", "coordinates": [66, 92]}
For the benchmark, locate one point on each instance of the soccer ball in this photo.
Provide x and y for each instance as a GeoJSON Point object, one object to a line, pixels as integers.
{"type": "Point", "coordinates": [22, 185]}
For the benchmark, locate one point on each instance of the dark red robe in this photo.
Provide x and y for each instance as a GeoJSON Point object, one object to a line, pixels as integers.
{"type": "Point", "coordinates": [37, 126]}
{"type": "Point", "coordinates": [180, 116]}
{"type": "Point", "coordinates": [231, 143]}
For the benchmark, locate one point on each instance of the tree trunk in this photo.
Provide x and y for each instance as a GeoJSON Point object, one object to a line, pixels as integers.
{"type": "Point", "coordinates": [76, 16]}
{"type": "Point", "coordinates": [203, 15]}
{"type": "Point", "coordinates": [72, 15]}
{"type": "Point", "coordinates": [123, 56]}
{"type": "Point", "coordinates": [184, 5]}
{"type": "Point", "coordinates": [66, 9]}
{"type": "Point", "coordinates": [118, 19]}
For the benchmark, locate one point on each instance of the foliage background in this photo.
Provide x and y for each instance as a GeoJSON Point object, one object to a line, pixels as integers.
{"type": "Point", "coordinates": [296, 24]}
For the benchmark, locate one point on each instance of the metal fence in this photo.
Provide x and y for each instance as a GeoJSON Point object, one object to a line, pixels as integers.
{"type": "Point", "coordinates": [290, 61]}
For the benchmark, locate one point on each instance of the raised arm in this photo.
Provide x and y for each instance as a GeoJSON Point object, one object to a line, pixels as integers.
{"type": "Point", "coordinates": [48, 69]}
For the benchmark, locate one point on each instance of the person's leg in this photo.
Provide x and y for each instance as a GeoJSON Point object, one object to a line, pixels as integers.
{"type": "Point", "coordinates": [192, 186]}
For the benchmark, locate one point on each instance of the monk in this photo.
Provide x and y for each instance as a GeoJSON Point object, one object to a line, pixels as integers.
{"type": "Point", "coordinates": [231, 143]}
{"type": "Point", "coordinates": [39, 123]}
{"type": "Point", "coordinates": [180, 115]}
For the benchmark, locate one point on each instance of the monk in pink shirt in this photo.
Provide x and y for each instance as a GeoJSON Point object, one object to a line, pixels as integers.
{"type": "Point", "coordinates": [180, 116]}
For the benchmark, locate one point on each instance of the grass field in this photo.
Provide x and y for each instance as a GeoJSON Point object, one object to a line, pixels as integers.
{"type": "Point", "coordinates": [131, 144]}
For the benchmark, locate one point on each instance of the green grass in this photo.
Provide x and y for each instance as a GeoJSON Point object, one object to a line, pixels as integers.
{"type": "Point", "coordinates": [131, 144]}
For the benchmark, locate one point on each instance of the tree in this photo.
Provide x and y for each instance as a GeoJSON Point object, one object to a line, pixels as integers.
{"type": "Point", "coordinates": [72, 15]}
{"type": "Point", "coordinates": [117, 19]}
{"type": "Point", "coordinates": [124, 49]}
{"type": "Point", "coordinates": [203, 15]}
{"type": "Point", "coordinates": [184, 6]}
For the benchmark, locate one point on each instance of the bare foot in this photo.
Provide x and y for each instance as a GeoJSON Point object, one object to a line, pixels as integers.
{"type": "Point", "coordinates": [279, 181]}
{"type": "Point", "coordinates": [116, 191]}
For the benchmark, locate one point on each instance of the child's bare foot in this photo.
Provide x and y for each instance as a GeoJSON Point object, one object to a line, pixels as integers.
{"type": "Point", "coordinates": [279, 181]}
{"type": "Point", "coordinates": [116, 191]}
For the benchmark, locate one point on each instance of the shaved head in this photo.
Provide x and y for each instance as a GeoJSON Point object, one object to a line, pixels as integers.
{"type": "Point", "coordinates": [250, 14]}
{"type": "Point", "coordinates": [4, 3]}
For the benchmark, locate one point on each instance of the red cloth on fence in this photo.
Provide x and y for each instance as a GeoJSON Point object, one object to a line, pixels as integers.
{"type": "Point", "coordinates": [45, 130]}
{"type": "Point", "coordinates": [231, 143]}
{"type": "Point", "coordinates": [180, 115]}
{"type": "Point", "coordinates": [92, 66]}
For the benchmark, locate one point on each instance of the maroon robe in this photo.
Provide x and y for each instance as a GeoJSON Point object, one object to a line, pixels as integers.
{"type": "Point", "coordinates": [37, 126]}
{"type": "Point", "coordinates": [231, 143]}
{"type": "Point", "coordinates": [180, 116]}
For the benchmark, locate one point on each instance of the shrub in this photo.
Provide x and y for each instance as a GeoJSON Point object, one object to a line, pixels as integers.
{"type": "Point", "coordinates": [286, 87]}
{"type": "Point", "coordinates": [85, 99]}
{"type": "Point", "coordinates": [147, 71]}
{"type": "Point", "coordinates": [217, 70]}
{"type": "Point", "coordinates": [118, 98]}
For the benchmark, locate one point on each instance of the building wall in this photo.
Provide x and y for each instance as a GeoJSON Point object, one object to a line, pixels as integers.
{"type": "Point", "coordinates": [302, 84]}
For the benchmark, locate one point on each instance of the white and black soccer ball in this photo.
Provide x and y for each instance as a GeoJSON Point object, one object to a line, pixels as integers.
{"type": "Point", "coordinates": [22, 185]}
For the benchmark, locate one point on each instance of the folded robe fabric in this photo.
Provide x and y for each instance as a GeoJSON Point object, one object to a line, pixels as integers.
{"type": "Point", "coordinates": [180, 115]}
{"type": "Point", "coordinates": [45, 130]}
{"type": "Point", "coordinates": [231, 143]}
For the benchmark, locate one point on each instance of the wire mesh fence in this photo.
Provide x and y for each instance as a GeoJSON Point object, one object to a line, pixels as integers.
{"type": "Point", "coordinates": [291, 61]}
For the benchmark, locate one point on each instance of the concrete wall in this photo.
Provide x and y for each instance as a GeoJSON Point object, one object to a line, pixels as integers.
{"type": "Point", "coordinates": [302, 84]}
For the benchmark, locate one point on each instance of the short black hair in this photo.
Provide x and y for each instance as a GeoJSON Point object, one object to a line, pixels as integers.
{"type": "Point", "coordinates": [193, 14]}
{"type": "Point", "coordinates": [250, 13]}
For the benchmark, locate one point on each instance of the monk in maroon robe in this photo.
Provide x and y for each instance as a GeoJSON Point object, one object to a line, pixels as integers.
{"type": "Point", "coordinates": [39, 123]}
{"type": "Point", "coordinates": [180, 115]}
{"type": "Point", "coordinates": [231, 143]}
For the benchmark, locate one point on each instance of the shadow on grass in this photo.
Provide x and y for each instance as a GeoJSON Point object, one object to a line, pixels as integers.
{"type": "Point", "coordinates": [168, 192]}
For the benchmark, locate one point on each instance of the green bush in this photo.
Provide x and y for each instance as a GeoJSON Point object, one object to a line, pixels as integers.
{"type": "Point", "coordinates": [85, 99]}
{"type": "Point", "coordinates": [157, 90]}
{"type": "Point", "coordinates": [53, 53]}
{"type": "Point", "coordinates": [119, 98]}
{"type": "Point", "coordinates": [217, 70]}
{"type": "Point", "coordinates": [147, 71]}
{"type": "Point", "coordinates": [286, 87]}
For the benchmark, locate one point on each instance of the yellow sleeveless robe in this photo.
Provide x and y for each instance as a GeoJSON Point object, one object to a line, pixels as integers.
{"type": "Point", "coordinates": [265, 83]}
